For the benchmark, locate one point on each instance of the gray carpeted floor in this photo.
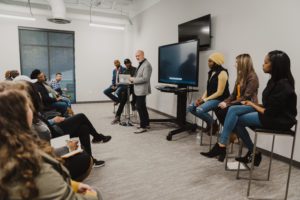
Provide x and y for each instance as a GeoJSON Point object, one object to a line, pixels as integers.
{"type": "Point", "coordinates": [148, 167]}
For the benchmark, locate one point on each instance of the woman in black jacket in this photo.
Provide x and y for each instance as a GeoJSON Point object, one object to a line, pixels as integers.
{"type": "Point", "coordinates": [279, 109]}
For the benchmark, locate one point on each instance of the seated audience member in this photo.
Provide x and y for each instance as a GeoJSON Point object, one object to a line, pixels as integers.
{"type": "Point", "coordinates": [131, 71]}
{"type": "Point", "coordinates": [11, 74]}
{"type": "Point", "coordinates": [56, 94]}
{"type": "Point", "coordinates": [27, 168]}
{"type": "Point", "coordinates": [55, 83]}
{"type": "Point", "coordinates": [48, 100]}
{"type": "Point", "coordinates": [76, 126]}
{"type": "Point", "coordinates": [114, 87]}
{"type": "Point", "coordinates": [7, 75]}
{"type": "Point", "coordinates": [217, 90]}
{"type": "Point", "coordinates": [279, 109]}
{"type": "Point", "coordinates": [80, 164]}
{"type": "Point", "coordinates": [14, 74]}
{"type": "Point", "coordinates": [246, 88]}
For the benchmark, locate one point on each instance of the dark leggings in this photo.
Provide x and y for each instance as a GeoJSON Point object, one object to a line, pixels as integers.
{"type": "Point", "coordinates": [80, 126]}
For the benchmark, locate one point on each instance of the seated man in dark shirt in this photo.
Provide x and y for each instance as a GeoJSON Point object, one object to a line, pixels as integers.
{"type": "Point", "coordinates": [131, 71]}
{"type": "Point", "coordinates": [48, 100]}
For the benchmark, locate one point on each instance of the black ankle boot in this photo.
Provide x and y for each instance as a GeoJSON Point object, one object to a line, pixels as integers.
{"type": "Point", "coordinates": [216, 151]}
{"type": "Point", "coordinates": [248, 158]}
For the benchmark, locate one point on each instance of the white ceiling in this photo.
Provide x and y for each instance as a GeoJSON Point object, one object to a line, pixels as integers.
{"type": "Point", "coordinates": [100, 8]}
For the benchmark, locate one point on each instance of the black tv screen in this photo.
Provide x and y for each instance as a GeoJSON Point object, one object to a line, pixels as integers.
{"type": "Point", "coordinates": [197, 29]}
{"type": "Point", "coordinates": [178, 63]}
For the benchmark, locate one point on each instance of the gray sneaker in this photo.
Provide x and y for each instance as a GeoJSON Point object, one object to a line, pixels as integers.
{"type": "Point", "coordinates": [115, 121]}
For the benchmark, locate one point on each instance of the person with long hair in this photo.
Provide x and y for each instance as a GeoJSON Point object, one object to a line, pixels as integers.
{"type": "Point", "coordinates": [278, 111]}
{"type": "Point", "coordinates": [26, 170]}
{"type": "Point", "coordinates": [245, 88]}
{"type": "Point", "coordinates": [217, 90]}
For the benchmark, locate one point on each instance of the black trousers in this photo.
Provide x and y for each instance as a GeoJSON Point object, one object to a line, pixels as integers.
{"type": "Point", "coordinates": [80, 126]}
{"type": "Point", "coordinates": [123, 101]}
{"type": "Point", "coordinates": [79, 166]}
{"type": "Point", "coordinates": [142, 110]}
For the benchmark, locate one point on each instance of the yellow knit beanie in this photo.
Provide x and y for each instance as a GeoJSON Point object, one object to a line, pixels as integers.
{"type": "Point", "coordinates": [218, 58]}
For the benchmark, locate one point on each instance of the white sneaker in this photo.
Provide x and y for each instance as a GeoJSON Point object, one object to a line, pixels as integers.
{"type": "Point", "coordinates": [140, 130]}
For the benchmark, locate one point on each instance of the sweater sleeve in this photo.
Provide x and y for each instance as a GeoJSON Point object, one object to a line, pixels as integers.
{"type": "Point", "coordinates": [251, 88]}
{"type": "Point", "coordinates": [222, 80]}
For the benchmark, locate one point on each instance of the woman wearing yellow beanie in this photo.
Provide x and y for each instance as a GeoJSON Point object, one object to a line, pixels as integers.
{"type": "Point", "coordinates": [217, 90]}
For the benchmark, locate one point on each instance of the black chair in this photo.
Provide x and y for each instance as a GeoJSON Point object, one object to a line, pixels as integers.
{"type": "Point", "coordinates": [274, 133]}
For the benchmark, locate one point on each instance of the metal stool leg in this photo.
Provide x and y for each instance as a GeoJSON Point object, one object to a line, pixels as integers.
{"type": "Point", "coordinates": [271, 158]}
{"type": "Point", "coordinates": [201, 134]}
{"type": "Point", "coordinates": [239, 165]}
{"type": "Point", "coordinates": [290, 166]}
{"type": "Point", "coordinates": [252, 165]}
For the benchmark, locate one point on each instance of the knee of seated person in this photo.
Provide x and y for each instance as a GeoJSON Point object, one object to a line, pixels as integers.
{"type": "Point", "coordinates": [232, 109]}
{"type": "Point", "coordinates": [190, 108]}
{"type": "Point", "coordinates": [199, 110]}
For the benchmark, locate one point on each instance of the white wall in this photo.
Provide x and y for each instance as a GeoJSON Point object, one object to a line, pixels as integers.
{"type": "Point", "coordinates": [238, 26]}
{"type": "Point", "coordinates": [95, 51]}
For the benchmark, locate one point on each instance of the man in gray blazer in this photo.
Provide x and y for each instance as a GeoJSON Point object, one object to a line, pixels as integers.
{"type": "Point", "coordinates": [142, 88]}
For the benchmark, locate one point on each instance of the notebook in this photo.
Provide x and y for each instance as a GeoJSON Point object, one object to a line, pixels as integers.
{"type": "Point", "coordinates": [124, 78]}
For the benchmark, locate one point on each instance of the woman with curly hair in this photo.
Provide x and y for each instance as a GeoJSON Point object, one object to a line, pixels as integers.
{"type": "Point", "coordinates": [26, 170]}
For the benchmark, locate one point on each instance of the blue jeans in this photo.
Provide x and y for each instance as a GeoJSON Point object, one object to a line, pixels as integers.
{"type": "Point", "coordinates": [67, 101]}
{"type": "Point", "coordinates": [232, 116]}
{"type": "Point", "coordinates": [202, 110]}
{"type": "Point", "coordinates": [249, 119]}
{"type": "Point", "coordinates": [116, 98]}
{"type": "Point", "coordinates": [60, 106]}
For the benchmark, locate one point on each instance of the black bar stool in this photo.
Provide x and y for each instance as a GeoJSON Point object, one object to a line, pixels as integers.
{"type": "Point", "coordinates": [210, 133]}
{"type": "Point", "coordinates": [274, 133]}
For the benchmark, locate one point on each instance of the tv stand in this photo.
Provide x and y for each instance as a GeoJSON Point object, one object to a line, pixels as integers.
{"type": "Point", "coordinates": [180, 119]}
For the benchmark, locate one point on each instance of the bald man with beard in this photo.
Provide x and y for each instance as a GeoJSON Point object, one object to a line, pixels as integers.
{"type": "Point", "coordinates": [142, 88]}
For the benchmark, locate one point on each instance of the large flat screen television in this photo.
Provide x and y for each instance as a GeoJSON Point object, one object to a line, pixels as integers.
{"type": "Point", "coordinates": [197, 29]}
{"type": "Point", "coordinates": [178, 63]}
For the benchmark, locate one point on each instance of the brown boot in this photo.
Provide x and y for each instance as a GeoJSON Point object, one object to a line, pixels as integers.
{"type": "Point", "coordinates": [233, 138]}
{"type": "Point", "coordinates": [70, 111]}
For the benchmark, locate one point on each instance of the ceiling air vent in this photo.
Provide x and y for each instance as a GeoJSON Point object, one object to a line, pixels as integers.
{"type": "Point", "coordinates": [58, 12]}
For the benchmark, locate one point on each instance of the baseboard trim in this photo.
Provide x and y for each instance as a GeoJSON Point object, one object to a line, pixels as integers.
{"type": "Point", "coordinates": [161, 113]}
{"type": "Point", "coordinates": [279, 157]}
{"type": "Point", "coordinates": [85, 102]}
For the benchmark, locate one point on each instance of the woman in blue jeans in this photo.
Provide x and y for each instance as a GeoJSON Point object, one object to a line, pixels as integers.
{"type": "Point", "coordinates": [279, 109]}
{"type": "Point", "coordinates": [216, 91]}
